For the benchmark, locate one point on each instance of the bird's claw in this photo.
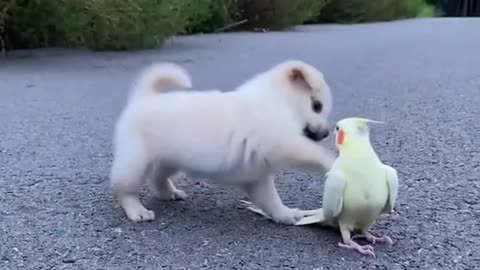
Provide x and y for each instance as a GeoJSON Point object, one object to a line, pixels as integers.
{"type": "Point", "coordinates": [386, 239]}
{"type": "Point", "coordinates": [364, 250]}
{"type": "Point", "coordinates": [373, 239]}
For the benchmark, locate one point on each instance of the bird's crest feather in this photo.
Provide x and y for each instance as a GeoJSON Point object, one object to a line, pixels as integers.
{"type": "Point", "coordinates": [361, 122]}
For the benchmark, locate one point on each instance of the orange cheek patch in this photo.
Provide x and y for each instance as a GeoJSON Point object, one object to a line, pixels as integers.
{"type": "Point", "coordinates": [341, 137]}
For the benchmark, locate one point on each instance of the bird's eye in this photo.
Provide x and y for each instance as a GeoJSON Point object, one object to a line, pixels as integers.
{"type": "Point", "coordinates": [336, 128]}
{"type": "Point", "coordinates": [317, 106]}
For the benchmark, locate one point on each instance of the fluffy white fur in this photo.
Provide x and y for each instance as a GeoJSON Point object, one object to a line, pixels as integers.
{"type": "Point", "coordinates": [239, 137]}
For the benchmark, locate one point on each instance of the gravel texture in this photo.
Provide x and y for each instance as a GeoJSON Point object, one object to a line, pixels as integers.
{"type": "Point", "coordinates": [58, 108]}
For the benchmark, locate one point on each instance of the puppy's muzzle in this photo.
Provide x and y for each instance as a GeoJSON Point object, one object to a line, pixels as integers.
{"type": "Point", "coordinates": [315, 135]}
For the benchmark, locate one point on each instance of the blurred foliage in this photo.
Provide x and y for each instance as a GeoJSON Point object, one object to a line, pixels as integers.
{"type": "Point", "coordinates": [102, 24]}
{"type": "Point", "coordinates": [131, 24]}
{"type": "Point", "coordinates": [457, 8]}
{"type": "Point", "coordinates": [212, 15]}
{"type": "Point", "coordinates": [460, 8]}
{"type": "Point", "coordinates": [277, 14]}
{"type": "Point", "coordinates": [356, 11]}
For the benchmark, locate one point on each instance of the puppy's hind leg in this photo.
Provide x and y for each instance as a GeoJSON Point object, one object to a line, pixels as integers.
{"type": "Point", "coordinates": [162, 184]}
{"type": "Point", "coordinates": [127, 177]}
{"type": "Point", "coordinates": [263, 194]}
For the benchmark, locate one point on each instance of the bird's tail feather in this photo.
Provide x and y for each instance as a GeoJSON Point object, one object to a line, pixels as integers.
{"type": "Point", "coordinates": [317, 218]}
{"type": "Point", "coordinates": [250, 206]}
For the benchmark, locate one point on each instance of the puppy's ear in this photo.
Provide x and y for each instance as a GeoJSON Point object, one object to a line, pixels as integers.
{"type": "Point", "coordinates": [298, 77]}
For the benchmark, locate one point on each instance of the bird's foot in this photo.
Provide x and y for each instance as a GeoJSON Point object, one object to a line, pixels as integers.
{"type": "Point", "coordinates": [373, 239]}
{"type": "Point", "coordinates": [364, 250]}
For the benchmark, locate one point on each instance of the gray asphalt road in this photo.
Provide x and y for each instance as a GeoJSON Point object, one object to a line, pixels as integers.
{"type": "Point", "coordinates": [58, 107]}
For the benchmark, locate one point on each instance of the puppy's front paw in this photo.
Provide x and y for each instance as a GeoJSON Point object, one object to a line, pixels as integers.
{"type": "Point", "coordinates": [140, 214]}
{"type": "Point", "coordinates": [288, 216]}
{"type": "Point", "coordinates": [173, 195]}
{"type": "Point", "coordinates": [285, 215]}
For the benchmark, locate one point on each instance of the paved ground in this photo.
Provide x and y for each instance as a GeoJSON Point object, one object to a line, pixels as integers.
{"type": "Point", "coordinates": [57, 109]}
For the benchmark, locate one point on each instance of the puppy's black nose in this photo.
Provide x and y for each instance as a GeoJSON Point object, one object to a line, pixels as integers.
{"type": "Point", "coordinates": [325, 134]}
{"type": "Point", "coordinates": [317, 135]}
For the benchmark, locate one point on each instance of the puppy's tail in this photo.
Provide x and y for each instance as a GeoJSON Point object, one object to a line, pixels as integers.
{"type": "Point", "coordinates": [158, 77]}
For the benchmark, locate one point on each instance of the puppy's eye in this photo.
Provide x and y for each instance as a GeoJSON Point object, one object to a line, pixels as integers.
{"type": "Point", "coordinates": [317, 106]}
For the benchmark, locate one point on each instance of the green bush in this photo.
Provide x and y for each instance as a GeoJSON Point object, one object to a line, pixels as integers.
{"type": "Point", "coordinates": [276, 14]}
{"type": "Point", "coordinates": [102, 24]}
{"type": "Point", "coordinates": [131, 24]}
{"type": "Point", "coordinates": [210, 15]}
{"type": "Point", "coordinates": [420, 8]}
{"type": "Point", "coordinates": [356, 11]}
{"type": "Point", "coordinates": [38, 23]}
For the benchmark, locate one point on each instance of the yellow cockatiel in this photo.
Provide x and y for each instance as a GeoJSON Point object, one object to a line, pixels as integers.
{"type": "Point", "coordinates": [359, 187]}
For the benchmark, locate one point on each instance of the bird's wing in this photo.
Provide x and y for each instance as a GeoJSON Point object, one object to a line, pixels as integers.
{"type": "Point", "coordinates": [333, 194]}
{"type": "Point", "coordinates": [392, 183]}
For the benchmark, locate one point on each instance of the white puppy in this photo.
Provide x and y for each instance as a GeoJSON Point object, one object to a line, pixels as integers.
{"type": "Point", "coordinates": [272, 121]}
